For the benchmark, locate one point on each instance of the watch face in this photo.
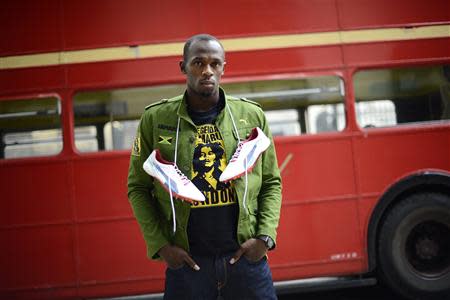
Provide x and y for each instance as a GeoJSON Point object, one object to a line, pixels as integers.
{"type": "Point", "coordinates": [267, 240]}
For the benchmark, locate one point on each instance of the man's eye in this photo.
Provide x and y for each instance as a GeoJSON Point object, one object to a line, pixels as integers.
{"type": "Point", "coordinates": [198, 63]}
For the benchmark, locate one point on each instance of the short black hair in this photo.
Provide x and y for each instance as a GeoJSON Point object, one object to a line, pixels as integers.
{"type": "Point", "coordinates": [195, 38]}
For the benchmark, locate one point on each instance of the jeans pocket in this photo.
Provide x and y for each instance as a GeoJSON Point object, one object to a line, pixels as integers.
{"type": "Point", "coordinates": [177, 268]}
{"type": "Point", "coordinates": [251, 262]}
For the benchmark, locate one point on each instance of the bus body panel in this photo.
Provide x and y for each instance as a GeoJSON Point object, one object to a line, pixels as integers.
{"type": "Point", "coordinates": [264, 62]}
{"type": "Point", "coordinates": [54, 25]}
{"type": "Point", "coordinates": [66, 227]}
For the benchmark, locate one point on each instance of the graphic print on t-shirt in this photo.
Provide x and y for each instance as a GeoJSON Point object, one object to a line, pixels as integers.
{"type": "Point", "coordinates": [208, 164]}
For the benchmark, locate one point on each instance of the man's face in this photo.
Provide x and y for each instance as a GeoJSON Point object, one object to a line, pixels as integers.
{"type": "Point", "coordinates": [207, 156]}
{"type": "Point", "coordinates": [204, 67]}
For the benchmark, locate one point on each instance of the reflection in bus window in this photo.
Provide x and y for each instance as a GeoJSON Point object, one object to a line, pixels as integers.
{"type": "Point", "coordinates": [378, 113]}
{"type": "Point", "coordinates": [107, 120]}
{"type": "Point", "coordinates": [297, 106]}
{"type": "Point", "coordinates": [30, 127]}
{"type": "Point", "coordinates": [120, 135]}
{"type": "Point", "coordinates": [283, 122]}
{"type": "Point", "coordinates": [112, 116]}
{"type": "Point", "coordinates": [86, 138]}
{"type": "Point", "coordinates": [326, 117]}
{"type": "Point", "coordinates": [397, 96]}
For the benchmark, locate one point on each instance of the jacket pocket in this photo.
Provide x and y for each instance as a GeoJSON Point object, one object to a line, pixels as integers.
{"type": "Point", "coordinates": [163, 200]}
{"type": "Point", "coordinates": [253, 220]}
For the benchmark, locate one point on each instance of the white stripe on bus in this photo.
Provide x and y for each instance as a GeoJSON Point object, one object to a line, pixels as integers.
{"type": "Point", "coordinates": [230, 45]}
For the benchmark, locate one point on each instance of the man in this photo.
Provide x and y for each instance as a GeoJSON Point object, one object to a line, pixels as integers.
{"type": "Point", "coordinates": [218, 247]}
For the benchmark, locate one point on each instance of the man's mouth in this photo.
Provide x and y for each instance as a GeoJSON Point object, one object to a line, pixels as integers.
{"type": "Point", "coordinates": [206, 82]}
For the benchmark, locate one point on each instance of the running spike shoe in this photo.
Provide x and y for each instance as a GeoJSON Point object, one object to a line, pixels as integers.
{"type": "Point", "coordinates": [246, 155]}
{"type": "Point", "coordinates": [171, 178]}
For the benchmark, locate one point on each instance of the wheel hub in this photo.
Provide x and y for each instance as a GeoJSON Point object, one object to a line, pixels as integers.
{"type": "Point", "coordinates": [427, 249]}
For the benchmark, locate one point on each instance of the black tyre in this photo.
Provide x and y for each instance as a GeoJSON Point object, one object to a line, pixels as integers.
{"type": "Point", "coordinates": [414, 247]}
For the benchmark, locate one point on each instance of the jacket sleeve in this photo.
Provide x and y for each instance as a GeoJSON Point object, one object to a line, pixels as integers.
{"type": "Point", "coordinates": [140, 186]}
{"type": "Point", "coordinates": [269, 198]}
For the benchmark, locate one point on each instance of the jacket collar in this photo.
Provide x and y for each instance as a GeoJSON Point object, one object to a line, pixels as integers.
{"type": "Point", "coordinates": [182, 111]}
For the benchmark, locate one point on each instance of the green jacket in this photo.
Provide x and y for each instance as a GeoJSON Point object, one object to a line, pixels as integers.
{"type": "Point", "coordinates": [151, 203]}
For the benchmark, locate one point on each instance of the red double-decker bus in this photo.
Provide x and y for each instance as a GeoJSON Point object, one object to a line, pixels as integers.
{"type": "Point", "coordinates": [356, 93]}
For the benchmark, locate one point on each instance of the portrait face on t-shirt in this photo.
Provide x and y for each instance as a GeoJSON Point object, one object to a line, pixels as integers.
{"type": "Point", "coordinates": [209, 161]}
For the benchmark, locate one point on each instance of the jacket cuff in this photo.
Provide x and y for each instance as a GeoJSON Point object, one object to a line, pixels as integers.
{"type": "Point", "coordinates": [270, 234]}
{"type": "Point", "coordinates": [152, 253]}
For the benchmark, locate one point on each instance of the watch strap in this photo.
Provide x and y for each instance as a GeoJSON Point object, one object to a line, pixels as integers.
{"type": "Point", "coordinates": [268, 241]}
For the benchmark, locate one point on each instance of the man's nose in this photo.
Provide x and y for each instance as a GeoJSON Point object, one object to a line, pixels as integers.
{"type": "Point", "coordinates": [207, 71]}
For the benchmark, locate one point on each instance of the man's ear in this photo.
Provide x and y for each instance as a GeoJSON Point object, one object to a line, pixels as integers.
{"type": "Point", "coordinates": [182, 67]}
{"type": "Point", "coordinates": [223, 68]}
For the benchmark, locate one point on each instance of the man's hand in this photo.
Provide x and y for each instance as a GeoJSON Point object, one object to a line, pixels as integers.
{"type": "Point", "coordinates": [175, 257]}
{"type": "Point", "coordinates": [252, 249]}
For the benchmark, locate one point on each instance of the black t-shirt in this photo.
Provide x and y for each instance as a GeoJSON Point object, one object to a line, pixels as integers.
{"type": "Point", "coordinates": [213, 224]}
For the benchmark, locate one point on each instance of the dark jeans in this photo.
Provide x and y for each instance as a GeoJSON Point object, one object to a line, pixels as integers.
{"type": "Point", "coordinates": [217, 279]}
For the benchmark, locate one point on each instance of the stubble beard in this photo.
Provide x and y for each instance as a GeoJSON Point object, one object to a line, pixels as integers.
{"type": "Point", "coordinates": [206, 94]}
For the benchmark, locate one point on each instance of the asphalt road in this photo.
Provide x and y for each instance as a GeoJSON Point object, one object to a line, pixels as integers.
{"type": "Point", "coordinates": [362, 293]}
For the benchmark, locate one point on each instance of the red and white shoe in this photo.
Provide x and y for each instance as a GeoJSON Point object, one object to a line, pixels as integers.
{"type": "Point", "coordinates": [246, 155]}
{"type": "Point", "coordinates": [171, 178]}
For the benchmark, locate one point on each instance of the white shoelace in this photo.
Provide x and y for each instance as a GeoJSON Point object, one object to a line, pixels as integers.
{"type": "Point", "coordinates": [183, 177]}
{"type": "Point", "coordinates": [236, 153]}
{"type": "Point", "coordinates": [244, 201]}
{"type": "Point", "coordinates": [246, 186]}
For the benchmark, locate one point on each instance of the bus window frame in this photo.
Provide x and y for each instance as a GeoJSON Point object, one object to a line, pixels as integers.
{"type": "Point", "coordinates": [336, 72]}
{"type": "Point", "coordinates": [36, 96]}
{"type": "Point", "coordinates": [340, 74]}
{"type": "Point", "coordinates": [410, 126]}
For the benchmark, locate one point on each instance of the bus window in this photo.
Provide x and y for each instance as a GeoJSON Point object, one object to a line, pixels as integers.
{"type": "Point", "coordinates": [30, 127]}
{"type": "Point", "coordinates": [297, 106]}
{"type": "Point", "coordinates": [86, 138]}
{"type": "Point", "coordinates": [326, 117]}
{"type": "Point", "coordinates": [120, 135]}
{"type": "Point", "coordinates": [108, 119]}
{"type": "Point", "coordinates": [283, 122]}
{"type": "Point", "coordinates": [396, 96]}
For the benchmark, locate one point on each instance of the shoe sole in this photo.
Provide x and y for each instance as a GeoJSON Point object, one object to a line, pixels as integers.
{"type": "Point", "coordinates": [176, 195]}
{"type": "Point", "coordinates": [250, 169]}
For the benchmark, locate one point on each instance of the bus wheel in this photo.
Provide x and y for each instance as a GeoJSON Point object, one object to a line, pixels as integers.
{"type": "Point", "coordinates": [414, 247]}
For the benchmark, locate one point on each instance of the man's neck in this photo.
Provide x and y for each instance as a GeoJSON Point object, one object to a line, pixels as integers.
{"type": "Point", "coordinates": [201, 103]}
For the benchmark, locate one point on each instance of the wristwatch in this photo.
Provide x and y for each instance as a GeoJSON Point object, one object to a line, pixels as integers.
{"type": "Point", "coordinates": [267, 241]}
